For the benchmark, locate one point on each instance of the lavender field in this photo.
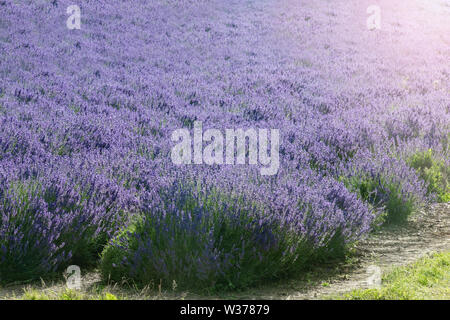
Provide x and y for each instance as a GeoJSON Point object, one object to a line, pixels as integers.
{"type": "Point", "coordinates": [87, 117]}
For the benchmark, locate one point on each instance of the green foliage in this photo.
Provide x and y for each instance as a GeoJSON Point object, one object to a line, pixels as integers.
{"type": "Point", "coordinates": [434, 172]}
{"type": "Point", "coordinates": [114, 253]}
{"type": "Point", "coordinates": [383, 192]}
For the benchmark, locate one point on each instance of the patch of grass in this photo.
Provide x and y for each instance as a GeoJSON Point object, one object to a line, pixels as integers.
{"type": "Point", "coordinates": [434, 172]}
{"type": "Point", "coordinates": [426, 279]}
{"type": "Point", "coordinates": [66, 294]}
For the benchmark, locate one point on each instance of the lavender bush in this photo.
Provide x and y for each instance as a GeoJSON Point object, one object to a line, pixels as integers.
{"type": "Point", "coordinates": [86, 117]}
{"type": "Point", "coordinates": [434, 171]}
{"type": "Point", "coordinates": [205, 238]}
{"type": "Point", "coordinates": [48, 222]}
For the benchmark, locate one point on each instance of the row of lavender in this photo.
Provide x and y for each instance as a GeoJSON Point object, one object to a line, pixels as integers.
{"type": "Point", "coordinates": [85, 137]}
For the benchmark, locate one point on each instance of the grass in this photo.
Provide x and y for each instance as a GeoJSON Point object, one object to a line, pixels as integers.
{"type": "Point", "coordinates": [67, 294]}
{"type": "Point", "coordinates": [425, 279]}
{"type": "Point", "coordinates": [383, 192]}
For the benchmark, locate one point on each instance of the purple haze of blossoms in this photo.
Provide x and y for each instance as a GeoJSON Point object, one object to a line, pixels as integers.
{"type": "Point", "coordinates": [86, 116]}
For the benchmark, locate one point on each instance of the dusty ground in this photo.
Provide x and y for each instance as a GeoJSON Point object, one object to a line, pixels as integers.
{"type": "Point", "coordinates": [427, 231]}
